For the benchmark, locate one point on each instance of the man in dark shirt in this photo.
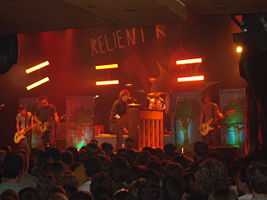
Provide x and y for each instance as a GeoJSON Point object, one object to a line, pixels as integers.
{"type": "Point", "coordinates": [119, 109]}
{"type": "Point", "coordinates": [46, 116]}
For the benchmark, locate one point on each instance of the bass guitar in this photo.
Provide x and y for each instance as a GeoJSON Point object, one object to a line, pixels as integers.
{"type": "Point", "coordinates": [211, 124]}
{"type": "Point", "coordinates": [205, 128]}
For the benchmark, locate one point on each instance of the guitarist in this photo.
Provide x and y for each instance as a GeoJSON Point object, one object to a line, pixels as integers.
{"type": "Point", "coordinates": [211, 112]}
{"type": "Point", "coordinates": [24, 120]}
{"type": "Point", "coordinates": [45, 114]}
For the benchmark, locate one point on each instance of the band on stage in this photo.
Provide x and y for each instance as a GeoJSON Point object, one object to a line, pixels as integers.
{"type": "Point", "coordinates": [37, 123]}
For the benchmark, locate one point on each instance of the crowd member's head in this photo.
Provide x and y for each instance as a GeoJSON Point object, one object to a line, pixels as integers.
{"type": "Point", "coordinates": [123, 194]}
{"type": "Point", "coordinates": [222, 194]}
{"type": "Point", "coordinates": [129, 143]}
{"type": "Point", "coordinates": [93, 166]}
{"type": "Point", "coordinates": [67, 177]}
{"type": "Point", "coordinates": [242, 181]}
{"type": "Point", "coordinates": [38, 158]}
{"type": "Point", "coordinates": [189, 179]}
{"type": "Point", "coordinates": [143, 189]}
{"type": "Point", "coordinates": [9, 195]}
{"type": "Point", "coordinates": [70, 189]}
{"type": "Point", "coordinates": [169, 149]}
{"type": "Point", "coordinates": [201, 150]}
{"type": "Point", "coordinates": [257, 176]}
{"type": "Point", "coordinates": [119, 170]}
{"type": "Point", "coordinates": [75, 153]}
{"type": "Point", "coordinates": [67, 158]}
{"type": "Point", "coordinates": [81, 195]}
{"type": "Point", "coordinates": [29, 193]}
{"type": "Point", "coordinates": [102, 192]}
{"type": "Point", "coordinates": [211, 174]}
{"type": "Point", "coordinates": [53, 154]}
{"type": "Point", "coordinates": [54, 168]}
{"type": "Point", "coordinates": [92, 149]}
{"type": "Point", "coordinates": [55, 196]}
{"type": "Point", "coordinates": [45, 183]}
{"type": "Point", "coordinates": [102, 179]}
{"type": "Point", "coordinates": [143, 157]}
{"type": "Point", "coordinates": [173, 188]}
{"type": "Point", "coordinates": [172, 169]}
{"type": "Point", "coordinates": [107, 148]}
{"type": "Point", "coordinates": [13, 166]}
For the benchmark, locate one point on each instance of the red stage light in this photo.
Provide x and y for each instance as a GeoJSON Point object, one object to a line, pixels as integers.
{"type": "Point", "coordinates": [37, 67]}
{"type": "Point", "coordinates": [111, 66]}
{"type": "Point", "coordinates": [109, 82]}
{"type": "Point", "coordinates": [188, 61]}
{"type": "Point", "coordinates": [42, 81]}
{"type": "Point", "coordinates": [190, 78]}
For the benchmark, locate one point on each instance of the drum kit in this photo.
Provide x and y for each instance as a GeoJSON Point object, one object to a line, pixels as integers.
{"type": "Point", "coordinates": [156, 101]}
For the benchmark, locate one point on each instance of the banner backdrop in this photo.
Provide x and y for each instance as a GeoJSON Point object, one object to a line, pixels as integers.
{"type": "Point", "coordinates": [185, 109]}
{"type": "Point", "coordinates": [233, 101]}
{"type": "Point", "coordinates": [80, 121]}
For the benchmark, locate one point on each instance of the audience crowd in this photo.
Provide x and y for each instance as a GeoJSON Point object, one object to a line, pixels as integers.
{"type": "Point", "coordinates": [97, 172]}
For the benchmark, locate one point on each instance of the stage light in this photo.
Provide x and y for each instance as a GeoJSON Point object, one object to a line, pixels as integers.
{"type": "Point", "coordinates": [42, 81]}
{"type": "Point", "coordinates": [189, 61]}
{"type": "Point", "coordinates": [110, 82]}
{"type": "Point", "coordinates": [37, 67]}
{"type": "Point", "coordinates": [239, 49]}
{"type": "Point", "coordinates": [190, 78]}
{"type": "Point", "coordinates": [128, 85]}
{"type": "Point", "coordinates": [111, 66]}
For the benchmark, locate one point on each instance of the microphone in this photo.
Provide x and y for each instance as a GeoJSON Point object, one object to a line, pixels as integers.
{"type": "Point", "coordinates": [133, 99]}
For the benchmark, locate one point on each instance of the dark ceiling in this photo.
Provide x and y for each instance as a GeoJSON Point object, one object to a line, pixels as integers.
{"type": "Point", "coordinates": [26, 16]}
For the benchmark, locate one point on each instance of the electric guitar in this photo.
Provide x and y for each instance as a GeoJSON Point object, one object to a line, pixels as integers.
{"type": "Point", "coordinates": [211, 124]}
{"type": "Point", "coordinates": [208, 126]}
{"type": "Point", "coordinates": [20, 135]}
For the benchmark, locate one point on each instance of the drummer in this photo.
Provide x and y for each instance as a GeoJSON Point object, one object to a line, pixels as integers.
{"type": "Point", "coordinates": [156, 102]}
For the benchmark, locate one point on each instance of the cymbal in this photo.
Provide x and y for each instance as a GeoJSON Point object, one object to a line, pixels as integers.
{"type": "Point", "coordinates": [134, 104]}
{"type": "Point", "coordinates": [155, 93]}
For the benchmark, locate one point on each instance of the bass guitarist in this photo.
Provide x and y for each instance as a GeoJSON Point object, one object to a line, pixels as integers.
{"type": "Point", "coordinates": [209, 120]}
{"type": "Point", "coordinates": [23, 121]}
{"type": "Point", "coordinates": [45, 116]}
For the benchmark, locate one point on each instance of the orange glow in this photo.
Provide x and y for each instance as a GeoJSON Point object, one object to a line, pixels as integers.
{"type": "Point", "coordinates": [42, 81]}
{"type": "Point", "coordinates": [111, 82]}
{"type": "Point", "coordinates": [239, 49]}
{"type": "Point", "coordinates": [111, 66]}
{"type": "Point", "coordinates": [37, 67]}
{"type": "Point", "coordinates": [128, 85]}
{"type": "Point", "coordinates": [189, 61]}
{"type": "Point", "coordinates": [190, 78]}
